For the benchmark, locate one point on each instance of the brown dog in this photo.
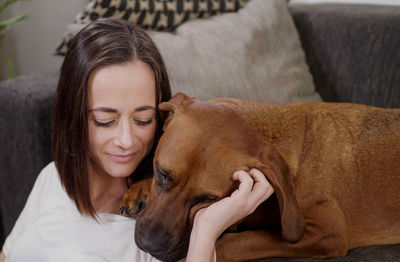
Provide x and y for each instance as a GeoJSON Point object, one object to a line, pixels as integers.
{"type": "Point", "coordinates": [335, 169]}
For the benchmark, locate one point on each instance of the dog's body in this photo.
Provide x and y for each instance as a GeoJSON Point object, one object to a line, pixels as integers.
{"type": "Point", "coordinates": [335, 169]}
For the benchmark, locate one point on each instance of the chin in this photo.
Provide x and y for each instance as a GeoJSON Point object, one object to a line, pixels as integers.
{"type": "Point", "coordinates": [121, 171]}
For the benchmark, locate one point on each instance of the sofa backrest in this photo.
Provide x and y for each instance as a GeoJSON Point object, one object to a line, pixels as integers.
{"type": "Point", "coordinates": [352, 51]}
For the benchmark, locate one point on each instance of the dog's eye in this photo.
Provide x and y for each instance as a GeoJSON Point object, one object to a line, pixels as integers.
{"type": "Point", "coordinates": [203, 199]}
{"type": "Point", "coordinates": [162, 176]}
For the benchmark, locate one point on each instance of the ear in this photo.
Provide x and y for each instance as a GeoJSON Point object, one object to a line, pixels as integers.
{"type": "Point", "coordinates": [178, 101]}
{"type": "Point", "coordinates": [277, 172]}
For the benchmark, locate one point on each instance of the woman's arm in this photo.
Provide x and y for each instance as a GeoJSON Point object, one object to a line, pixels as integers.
{"type": "Point", "coordinates": [210, 222]}
{"type": "Point", "coordinates": [2, 257]}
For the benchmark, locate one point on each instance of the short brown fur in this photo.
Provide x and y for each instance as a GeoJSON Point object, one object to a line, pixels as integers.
{"type": "Point", "coordinates": [335, 168]}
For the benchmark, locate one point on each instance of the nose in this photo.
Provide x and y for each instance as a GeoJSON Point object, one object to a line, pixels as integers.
{"type": "Point", "coordinates": [125, 136]}
{"type": "Point", "coordinates": [153, 237]}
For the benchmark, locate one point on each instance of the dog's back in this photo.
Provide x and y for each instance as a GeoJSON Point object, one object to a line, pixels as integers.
{"type": "Point", "coordinates": [343, 155]}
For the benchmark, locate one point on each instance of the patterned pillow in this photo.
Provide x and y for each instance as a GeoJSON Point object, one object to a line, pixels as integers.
{"type": "Point", "coordinates": [159, 15]}
{"type": "Point", "coordinates": [253, 54]}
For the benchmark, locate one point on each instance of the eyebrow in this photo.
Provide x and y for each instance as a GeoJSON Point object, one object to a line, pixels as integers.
{"type": "Point", "coordinates": [112, 110]}
{"type": "Point", "coordinates": [144, 108]}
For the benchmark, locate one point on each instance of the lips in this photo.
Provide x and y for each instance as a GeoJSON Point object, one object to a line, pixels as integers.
{"type": "Point", "coordinates": [126, 158]}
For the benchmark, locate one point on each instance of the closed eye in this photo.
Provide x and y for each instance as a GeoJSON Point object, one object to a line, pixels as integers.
{"type": "Point", "coordinates": [105, 124]}
{"type": "Point", "coordinates": [144, 123]}
{"type": "Point", "coordinates": [203, 199]}
{"type": "Point", "coordinates": [163, 177]}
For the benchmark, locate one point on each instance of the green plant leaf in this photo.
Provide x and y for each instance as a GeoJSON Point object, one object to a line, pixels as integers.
{"type": "Point", "coordinates": [6, 4]}
{"type": "Point", "coordinates": [10, 67]}
{"type": "Point", "coordinates": [5, 24]}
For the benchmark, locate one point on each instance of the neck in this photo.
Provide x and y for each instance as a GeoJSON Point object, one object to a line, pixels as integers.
{"type": "Point", "coordinates": [106, 191]}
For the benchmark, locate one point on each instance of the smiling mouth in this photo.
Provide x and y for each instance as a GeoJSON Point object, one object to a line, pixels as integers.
{"type": "Point", "coordinates": [122, 158]}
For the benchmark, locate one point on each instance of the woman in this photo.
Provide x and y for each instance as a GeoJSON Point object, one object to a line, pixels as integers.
{"type": "Point", "coordinates": [105, 129]}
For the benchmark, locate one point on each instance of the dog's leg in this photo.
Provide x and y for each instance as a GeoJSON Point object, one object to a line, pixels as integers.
{"type": "Point", "coordinates": [134, 200]}
{"type": "Point", "coordinates": [324, 238]}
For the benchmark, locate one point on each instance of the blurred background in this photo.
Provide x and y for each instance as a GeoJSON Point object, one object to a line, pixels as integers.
{"type": "Point", "coordinates": [30, 44]}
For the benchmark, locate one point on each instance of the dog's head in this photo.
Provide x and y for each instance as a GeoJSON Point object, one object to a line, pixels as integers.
{"type": "Point", "coordinates": [204, 143]}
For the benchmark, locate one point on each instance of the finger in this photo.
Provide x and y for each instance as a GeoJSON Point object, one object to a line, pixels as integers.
{"type": "Point", "coordinates": [262, 189]}
{"type": "Point", "coordinates": [235, 193]}
{"type": "Point", "coordinates": [246, 182]}
{"type": "Point", "coordinates": [257, 175]}
{"type": "Point", "coordinates": [259, 178]}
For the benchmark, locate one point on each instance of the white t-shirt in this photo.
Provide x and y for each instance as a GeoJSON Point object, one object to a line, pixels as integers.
{"type": "Point", "coordinates": [50, 228]}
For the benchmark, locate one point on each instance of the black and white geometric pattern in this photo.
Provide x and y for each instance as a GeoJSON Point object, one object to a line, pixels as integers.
{"type": "Point", "coordinates": [159, 15]}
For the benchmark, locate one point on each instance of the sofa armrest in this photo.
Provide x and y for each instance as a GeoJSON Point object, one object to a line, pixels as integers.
{"type": "Point", "coordinates": [352, 51]}
{"type": "Point", "coordinates": [25, 104]}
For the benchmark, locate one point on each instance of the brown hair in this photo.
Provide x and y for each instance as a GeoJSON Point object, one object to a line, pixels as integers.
{"type": "Point", "coordinates": [105, 42]}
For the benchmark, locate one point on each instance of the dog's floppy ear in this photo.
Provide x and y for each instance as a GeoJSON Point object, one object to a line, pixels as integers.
{"type": "Point", "coordinates": [276, 171]}
{"type": "Point", "coordinates": [179, 100]}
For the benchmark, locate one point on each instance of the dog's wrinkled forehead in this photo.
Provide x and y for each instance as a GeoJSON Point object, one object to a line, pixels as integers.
{"type": "Point", "coordinates": [204, 113]}
{"type": "Point", "coordinates": [199, 133]}
{"type": "Point", "coordinates": [197, 142]}
{"type": "Point", "coordinates": [193, 127]}
{"type": "Point", "coordinates": [200, 122]}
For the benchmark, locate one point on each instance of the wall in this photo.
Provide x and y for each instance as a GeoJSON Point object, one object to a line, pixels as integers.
{"type": "Point", "coordinates": [31, 43]}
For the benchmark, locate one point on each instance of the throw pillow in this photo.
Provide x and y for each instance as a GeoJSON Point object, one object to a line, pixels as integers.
{"type": "Point", "coordinates": [254, 54]}
{"type": "Point", "coordinates": [159, 15]}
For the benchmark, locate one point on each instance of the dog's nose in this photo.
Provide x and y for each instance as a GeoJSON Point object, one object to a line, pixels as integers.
{"type": "Point", "coordinates": [152, 236]}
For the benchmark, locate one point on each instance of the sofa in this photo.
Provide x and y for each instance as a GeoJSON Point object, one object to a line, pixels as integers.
{"type": "Point", "coordinates": [352, 54]}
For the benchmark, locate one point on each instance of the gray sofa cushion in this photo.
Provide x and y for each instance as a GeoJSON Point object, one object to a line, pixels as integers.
{"type": "Point", "coordinates": [25, 104]}
{"type": "Point", "coordinates": [2, 235]}
{"type": "Point", "coordinates": [352, 51]}
{"type": "Point", "coordinates": [381, 253]}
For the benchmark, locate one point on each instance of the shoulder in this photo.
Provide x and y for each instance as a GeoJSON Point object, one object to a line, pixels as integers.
{"type": "Point", "coordinates": [50, 168]}
{"type": "Point", "coordinates": [48, 183]}
{"type": "Point", "coordinates": [49, 174]}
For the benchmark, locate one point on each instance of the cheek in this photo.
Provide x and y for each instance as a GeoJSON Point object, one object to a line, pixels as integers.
{"type": "Point", "coordinates": [147, 135]}
{"type": "Point", "coordinates": [97, 138]}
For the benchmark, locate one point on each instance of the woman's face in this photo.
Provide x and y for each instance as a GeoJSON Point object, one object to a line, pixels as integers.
{"type": "Point", "coordinates": [122, 117]}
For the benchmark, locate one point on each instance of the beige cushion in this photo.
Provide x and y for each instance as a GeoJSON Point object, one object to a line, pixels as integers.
{"type": "Point", "coordinates": [254, 54]}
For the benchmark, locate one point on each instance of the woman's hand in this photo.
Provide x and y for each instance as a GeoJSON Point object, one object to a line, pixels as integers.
{"type": "Point", "coordinates": [210, 222]}
{"type": "Point", "coordinates": [254, 189]}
